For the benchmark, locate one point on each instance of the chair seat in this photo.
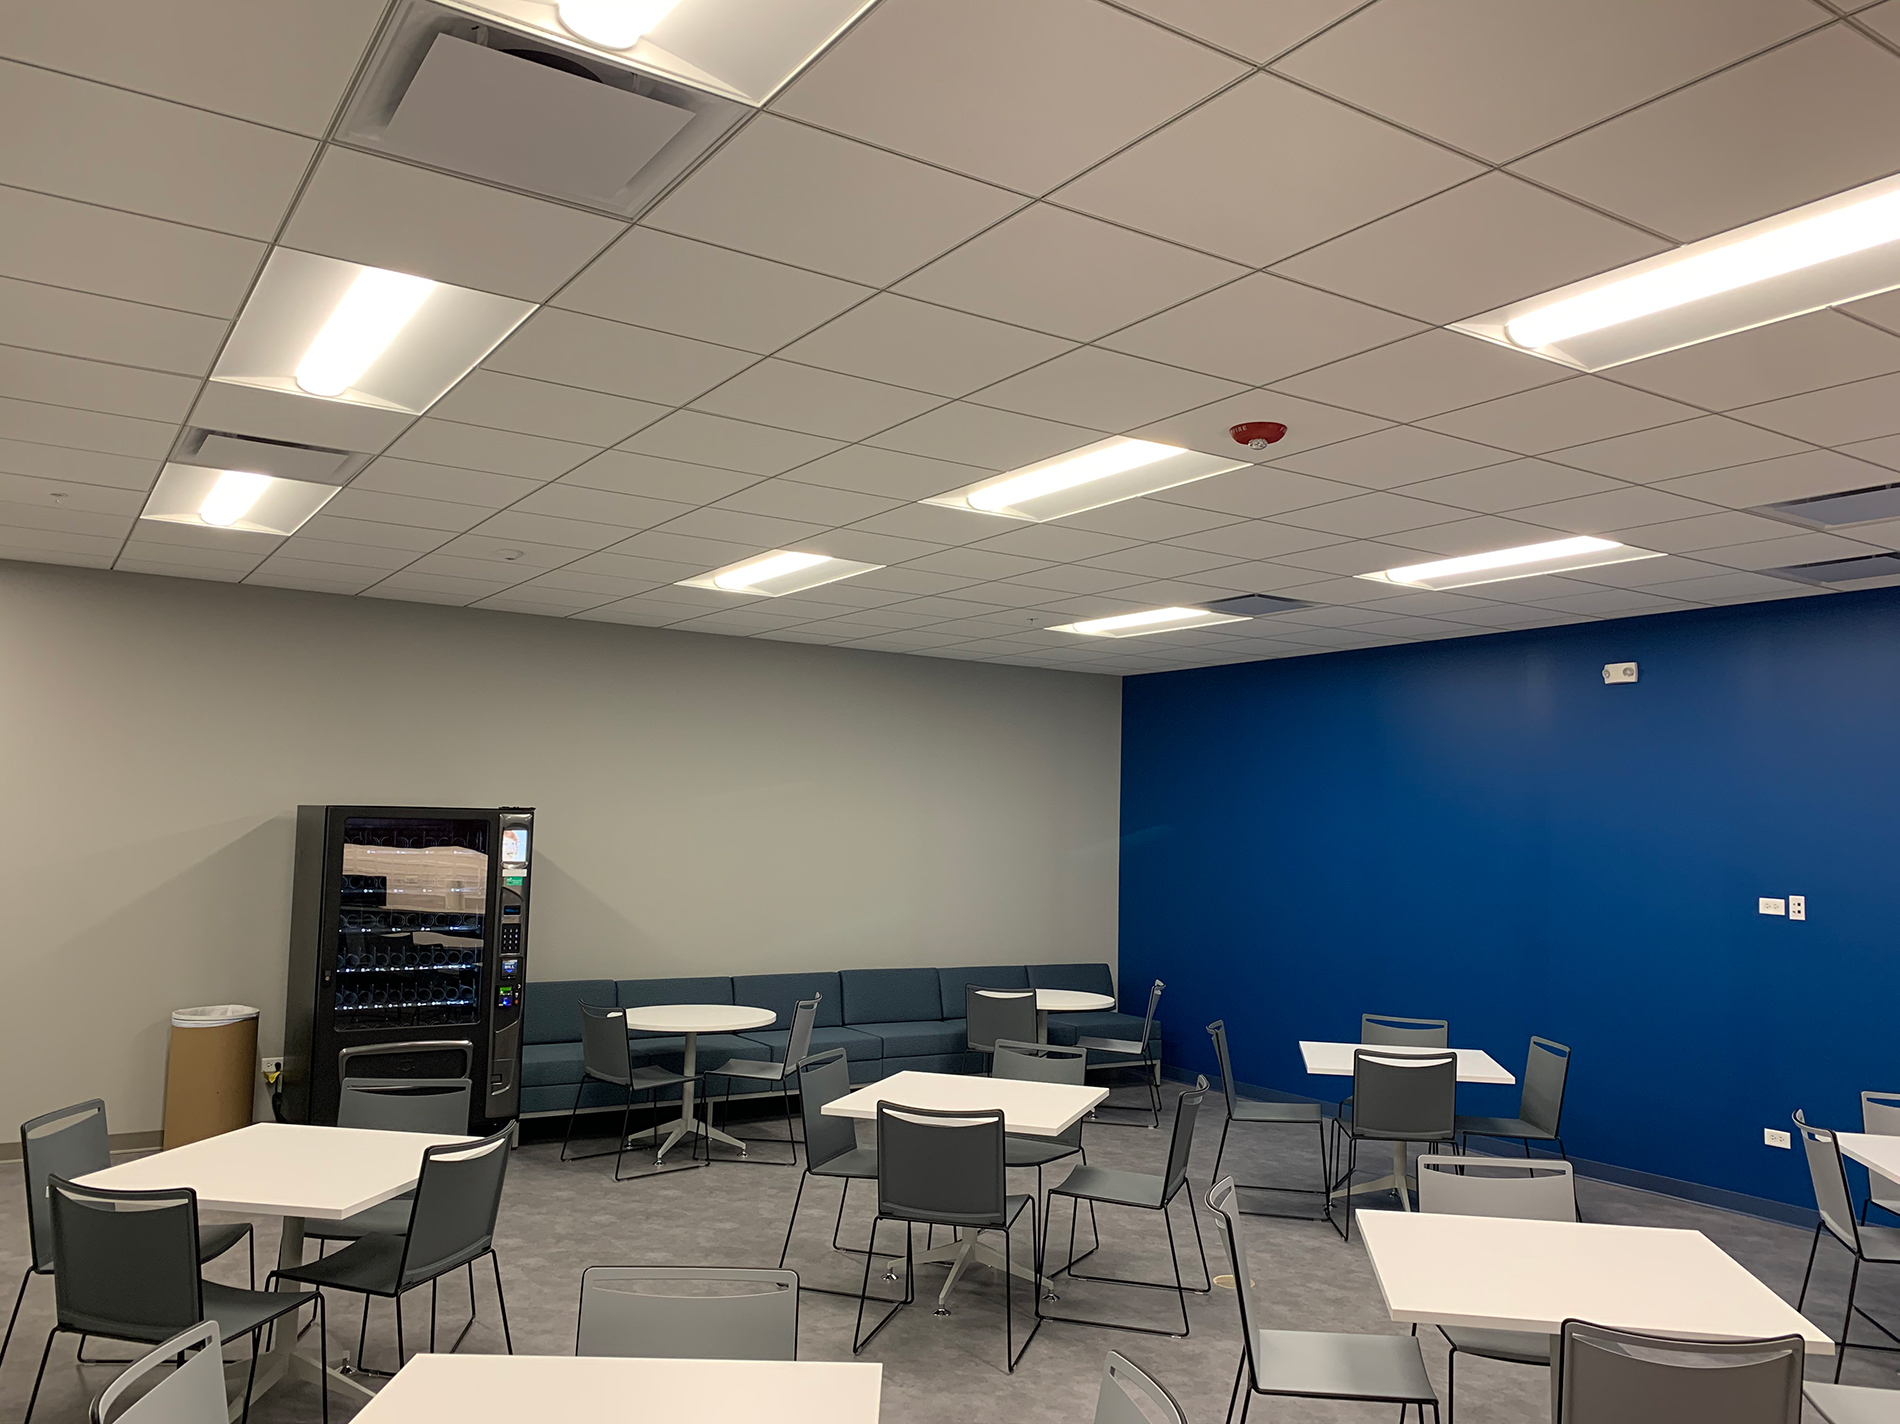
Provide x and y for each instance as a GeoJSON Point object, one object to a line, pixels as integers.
{"type": "Point", "coordinates": [748, 1068]}
{"type": "Point", "coordinates": [1524, 1347]}
{"type": "Point", "coordinates": [1325, 1365]}
{"type": "Point", "coordinates": [1880, 1243]}
{"type": "Point", "coordinates": [214, 1241]}
{"type": "Point", "coordinates": [1853, 1404]}
{"type": "Point", "coordinates": [369, 1264]}
{"type": "Point", "coordinates": [1113, 1186]}
{"type": "Point", "coordinates": [1132, 1047]}
{"type": "Point", "coordinates": [1035, 1151]}
{"type": "Point", "coordinates": [641, 1079]}
{"type": "Point", "coordinates": [858, 1162]}
{"type": "Point", "coordinates": [390, 1218]}
{"type": "Point", "coordinates": [1246, 1110]}
{"type": "Point", "coordinates": [1501, 1127]}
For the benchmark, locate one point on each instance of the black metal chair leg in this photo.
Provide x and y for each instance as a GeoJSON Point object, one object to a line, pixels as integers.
{"type": "Point", "coordinates": [792, 1220]}
{"type": "Point", "coordinates": [34, 1398]}
{"type": "Point", "coordinates": [25, 1276]}
{"type": "Point", "coordinates": [250, 1379]}
{"type": "Point", "coordinates": [1847, 1321]}
{"type": "Point", "coordinates": [864, 1289]}
{"type": "Point", "coordinates": [501, 1300]}
{"type": "Point", "coordinates": [1813, 1246]}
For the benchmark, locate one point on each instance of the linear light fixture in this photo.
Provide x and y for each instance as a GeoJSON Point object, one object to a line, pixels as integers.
{"type": "Point", "coordinates": [612, 24]}
{"type": "Point", "coordinates": [377, 306]}
{"type": "Point", "coordinates": [1153, 620]}
{"type": "Point", "coordinates": [234, 499]}
{"type": "Point", "coordinates": [775, 574]}
{"type": "Point", "coordinates": [1103, 473]}
{"type": "Point", "coordinates": [1558, 556]}
{"type": "Point", "coordinates": [1837, 250]}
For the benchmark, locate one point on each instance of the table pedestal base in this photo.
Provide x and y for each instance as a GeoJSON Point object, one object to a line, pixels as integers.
{"type": "Point", "coordinates": [686, 1123]}
{"type": "Point", "coordinates": [1397, 1181]}
{"type": "Point", "coordinates": [963, 1252]}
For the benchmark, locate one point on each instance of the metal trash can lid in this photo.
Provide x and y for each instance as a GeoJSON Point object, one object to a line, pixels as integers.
{"type": "Point", "coordinates": [212, 1015]}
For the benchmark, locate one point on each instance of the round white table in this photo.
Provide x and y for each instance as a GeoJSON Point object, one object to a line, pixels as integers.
{"type": "Point", "coordinates": [690, 1021]}
{"type": "Point", "coordinates": [1065, 1001]}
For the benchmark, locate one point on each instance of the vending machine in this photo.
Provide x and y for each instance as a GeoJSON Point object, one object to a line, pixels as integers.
{"type": "Point", "coordinates": [408, 953]}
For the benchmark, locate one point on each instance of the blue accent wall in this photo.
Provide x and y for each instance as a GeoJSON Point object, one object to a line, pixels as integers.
{"type": "Point", "coordinates": [1481, 830]}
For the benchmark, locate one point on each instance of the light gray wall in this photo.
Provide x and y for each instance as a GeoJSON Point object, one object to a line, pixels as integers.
{"type": "Point", "coordinates": [706, 804]}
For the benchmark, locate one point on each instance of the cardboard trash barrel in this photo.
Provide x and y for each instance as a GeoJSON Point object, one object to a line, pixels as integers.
{"type": "Point", "coordinates": [209, 1076]}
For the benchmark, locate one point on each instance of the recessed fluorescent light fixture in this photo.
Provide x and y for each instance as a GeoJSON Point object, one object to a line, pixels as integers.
{"type": "Point", "coordinates": [364, 336]}
{"type": "Point", "coordinates": [1557, 557]}
{"type": "Point", "coordinates": [1103, 473]}
{"type": "Point", "coordinates": [1153, 620]}
{"type": "Point", "coordinates": [1821, 255]}
{"type": "Point", "coordinates": [234, 499]}
{"type": "Point", "coordinates": [612, 24]}
{"type": "Point", "coordinates": [775, 574]}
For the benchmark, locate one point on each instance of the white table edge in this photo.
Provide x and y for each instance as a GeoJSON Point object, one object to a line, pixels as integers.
{"type": "Point", "coordinates": [830, 1109]}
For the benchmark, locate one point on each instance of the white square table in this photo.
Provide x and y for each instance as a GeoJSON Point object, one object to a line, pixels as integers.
{"type": "Point", "coordinates": [1036, 1109]}
{"type": "Point", "coordinates": [508, 1389]}
{"type": "Point", "coordinates": [1499, 1273]}
{"type": "Point", "coordinates": [289, 1170]}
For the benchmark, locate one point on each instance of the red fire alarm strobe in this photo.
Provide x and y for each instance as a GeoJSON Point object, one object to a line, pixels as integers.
{"type": "Point", "coordinates": [1258, 434]}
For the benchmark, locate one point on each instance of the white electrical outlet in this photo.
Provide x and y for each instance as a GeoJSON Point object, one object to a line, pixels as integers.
{"type": "Point", "coordinates": [1767, 906]}
{"type": "Point", "coordinates": [1775, 1137]}
{"type": "Point", "coordinates": [272, 1065]}
{"type": "Point", "coordinates": [1797, 907]}
{"type": "Point", "coordinates": [1619, 672]}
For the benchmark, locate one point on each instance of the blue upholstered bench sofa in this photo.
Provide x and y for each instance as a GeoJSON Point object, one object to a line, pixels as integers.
{"type": "Point", "coordinates": [886, 1020]}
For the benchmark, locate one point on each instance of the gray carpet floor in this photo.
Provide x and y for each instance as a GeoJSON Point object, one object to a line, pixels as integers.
{"type": "Point", "coordinates": [560, 1217]}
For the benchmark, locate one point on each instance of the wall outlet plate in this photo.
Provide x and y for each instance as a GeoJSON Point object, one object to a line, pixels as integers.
{"type": "Point", "coordinates": [1767, 906]}
{"type": "Point", "coordinates": [1797, 907]}
{"type": "Point", "coordinates": [1776, 1137]}
{"type": "Point", "coordinates": [1619, 672]}
{"type": "Point", "coordinates": [271, 1065]}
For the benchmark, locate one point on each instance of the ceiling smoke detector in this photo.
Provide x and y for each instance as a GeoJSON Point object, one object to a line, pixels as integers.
{"type": "Point", "coordinates": [1257, 434]}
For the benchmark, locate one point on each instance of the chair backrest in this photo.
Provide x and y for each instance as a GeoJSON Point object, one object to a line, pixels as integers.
{"type": "Point", "coordinates": [68, 1142]}
{"type": "Point", "coordinates": [605, 1052]}
{"type": "Point", "coordinates": [940, 1166]}
{"type": "Point", "coordinates": [128, 1261]}
{"type": "Point", "coordinates": [1492, 1186]}
{"type": "Point", "coordinates": [1187, 1109]}
{"type": "Point", "coordinates": [1880, 1113]}
{"type": "Point", "coordinates": [1043, 1063]}
{"type": "Point", "coordinates": [1610, 1376]}
{"type": "Point", "coordinates": [1227, 1218]}
{"type": "Point", "coordinates": [1397, 1031]}
{"type": "Point", "coordinates": [824, 1078]}
{"type": "Point", "coordinates": [1409, 1096]}
{"type": "Point", "coordinates": [1217, 1031]}
{"type": "Point", "coordinates": [1831, 1196]}
{"type": "Point", "coordinates": [439, 1105]}
{"type": "Point", "coordinates": [804, 1018]}
{"type": "Point", "coordinates": [1130, 1395]}
{"type": "Point", "coordinates": [1148, 1021]}
{"type": "Point", "coordinates": [688, 1313]}
{"type": "Point", "coordinates": [458, 1196]}
{"type": "Point", "coordinates": [990, 1014]}
{"type": "Point", "coordinates": [191, 1394]}
{"type": "Point", "coordinates": [1546, 1068]}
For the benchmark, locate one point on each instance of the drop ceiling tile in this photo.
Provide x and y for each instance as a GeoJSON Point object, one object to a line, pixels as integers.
{"type": "Point", "coordinates": [1613, 509]}
{"type": "Point", "coordinates": [1770, 481]}
{"type": "Point", "coordinates": [501, 452]}
{"type": "Point", "coordinates": [1620, 602]}
{"type": "Point", "coordinates": [1685, 448]}
{"type": "Point", "coordinates": [1479, 535]}
{"type": "Point", "coordinates": [796, 195]}
{"type": "Point", "coordinates": [624, 472]}
{"type": "Point", "coordinates": [862, 546]}
{"type": "Point", "coordinates": [626, 511]}
{"type": "Point", "coordinates": [1328, 168]}
{"type": "Point", "coordinates": [1105, 390]}
{"type": "Point", "coordinates": [1159, 561]}
{"type": "Point", "coordinates": [1257, 491]}
{"type": "Point", "coordinates": [88, 248]}
{"type": "Point", "coordinates": [16, 514]}
{"type": "Point", "coordinates": [804, 398]}
{"type": "Point", "coordinates": [1398, 455]}
{"type": "Point", "coordinates": [310, 578]}
{"type": "Point", "coordinates": [376, 507]}
{"type": "Point", "coordinates": [1148, 519]}
{"type": "Point", "coordinates": [542, 539]}
{"type": "Point", "coordinates": [1784, 358]}
{"type": "Point", "coordinates": [84, 429]}
{"type": "Point", "coordinates": [1246, 27]}
{"type": "Point", "coordinates": [389, 475]}
{"type": "Point", "coordinates": [587, 351]}
{"type": "Point", "coordinates": [911, 582]}
{"type": "Point", "coordinates": [1052, 541]}
{"type": "Point", "coordinates": [669, 283]}
{"type": "Point", "coordinates": [702, 439]}
{"type": "Point", "coordinates": [1484, 243]}
{"type": "Point", "coordinates": [1423, 375]}
{"type": "Point", "coordinates": [1368, 516]}
{"type": "Point", "coordinates": [281, 415]}
{"type": "Point", "coordinates": [94, 385]}
{"type": "Point", "coordinates": [890, 473]}
{"type": "Point", "coordinates": [1884, 451]}
{"type": "Point", "coordinates": [74, 550]}
{"type": "Point", "coordinates": [499, 401]}
{"type": "Point", "coordinates": [122, 150]}
{"type": "Point", "coordinates": [1705, 531]}
{"type": "Point", "coordinates": [1512, 485]}
{"type": "Point", "coordinates": [567, 580]}
{"type": "Point", "coordinates": [524, 598]}
{"type": "Point", "coordinates": [1309, 425]}
{"type": "Point", "coordinates": [363, 208]}
{"type": "Point", "coordinates": [171, 568]}
{"type": "Point", "coordinates": [419, 587]}
{"type": "Point", "coordinates": [1060, 272]}
{"type": "Point", "coordinates": [923, 346]}
{"type": "Point", "coordinates": [1023, 96]}
{"type": "Point", "coordinates": [1796, 124]}
{"type": "Point", "coordinates": [63, 466]}
{"type": "Point", "coordinates": [1839, 415]}
{"type": "Point", "coordinates": [311, 554]}
{"type": "Point", "coordinates": [1791, 548]}
{"type": "Point", "coordinates": [107, 328]}
{"type": "Point", "coordinates": [934, 524]}
{"type": "Point", "coordinates": [1046, 583]}
{"type": "Point", "coordinates": [1726, 588]}
{"type": "Point", "coordinates": [1479, 76]}
{"type": "Point", "coordinates": [758, 531]}
{"type": "Point", "coordinates": [1255, 539]}
{"type": "Point", "coordinates": [221, 542]}
{"type": "Point", "coordinates": [147, 555]}
{"type": "Point", "coordinates": [788, 498]}
{"type": "Point", "coordinates": [413, 538]}
{"type": "Point", "coordinates": [1883, 310]}
{"type": "Point", "coordinates": [634, 613]}
{"type": "Point", "coordinates": [1583, 408]}
{"type": "Point", "coordinates": [983, 436]}
{"type": "Point", "coordinates": [66, 495]}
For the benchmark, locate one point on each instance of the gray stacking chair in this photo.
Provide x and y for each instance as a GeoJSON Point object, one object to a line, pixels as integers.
{"type": "Point", "coordinates": [72, 1143]}
{"type": "Point", "coordinates": [1130, 1395]}
{"type": "Point", "coordinates": [1852, 1403]}
{"type": "Point", "coordinates": [1145, 1191]}
{"type": "Point", "coordinates": [946, 1169]}
{"type": "Point", "coordinates": [128, 1270]}
{"type": "Point", "coordinates": [1248, 1111]}
{"type": "Point", "coordinates": [990, 1014]}
{"type": "Point", "coordinates": [779, 1075]}
{"type": "Point", "coordinates": [831, 1144]}
{"type": "Point", "coordinates": [1835, 1203]}
{"type": "Point", "coordinates": [1398, 1031]}
{"type": "Point", "coordinates": [1540, 1104]}
{"type": "Point", "coordinates": [1478, 1186]}
{"type": "Point", "coordinates": [1314, 1364]}
{"type": "Point", "coordinates": [688, 1313]}
{"type": "Point", "coordinates": [1040, 1063]}
{"type": "Point", "coordinates": [192, 1394]}
{"type": "Point", "coordinates": [1618, 1377]}
{"type": "Point", "coordinates": [451, 1225]}
{"type": "Point", "coordinates": [607, 1057]}
{"type": "Point", "coordinates": [1397, 1098]}
{"type": "Point", "coordinates": [1880, 1114]}
{"type": "Point", "coordinates": [1127, 1053]}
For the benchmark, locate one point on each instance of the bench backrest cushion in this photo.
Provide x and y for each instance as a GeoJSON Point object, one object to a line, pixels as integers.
{"type": "Point", "coordinates": [781, 993]}
{"type": "Point", "coordinates": [551, 1008]}
{"type": "Point", "coordinates": [953, 982]}
{"type": "Point", "coordinates": [890, 995]}
{"type": "Point", "coordinates": [1084, 978]}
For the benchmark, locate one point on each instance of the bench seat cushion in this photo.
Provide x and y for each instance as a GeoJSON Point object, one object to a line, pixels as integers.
{"type": "Point", "coordinates": [912, 1040]}
{"type": "Point", "coordinates": [1066, 1028]}
{"type": "Point", "coordinates": [856, 1044]}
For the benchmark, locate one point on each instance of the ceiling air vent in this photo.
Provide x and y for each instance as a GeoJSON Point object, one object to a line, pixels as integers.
{"type": "Point", "coordinates": [516, 109]}
{"type": "Point", "coordinates": [1255, 605]}
{"type": "Point", "coordinates": [1859, 572]}
{"type": "Point", "coordinates": [311, 463]}
{"type": "Point", "coordinates": [1833, 511]}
